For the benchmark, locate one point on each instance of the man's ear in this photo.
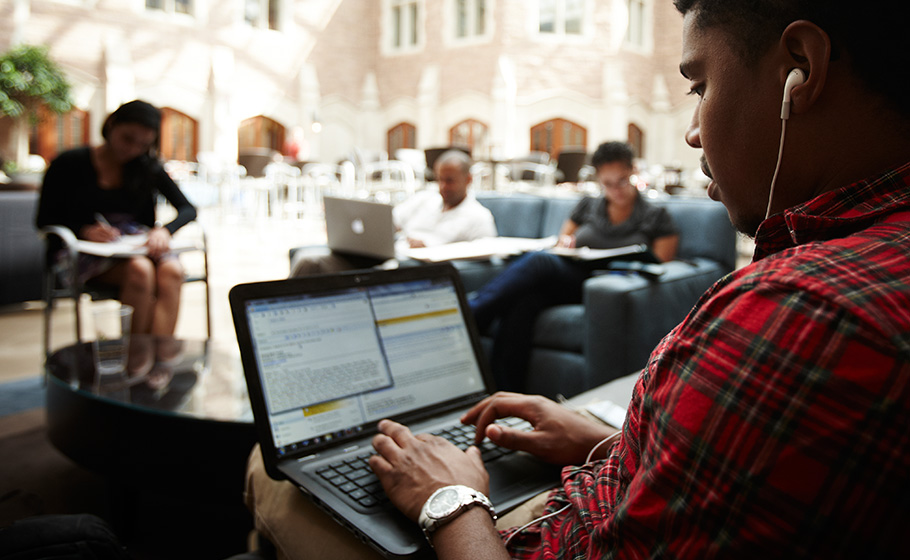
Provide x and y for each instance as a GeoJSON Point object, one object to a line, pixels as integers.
{"type": "Point", "coordinates": [809, 48]}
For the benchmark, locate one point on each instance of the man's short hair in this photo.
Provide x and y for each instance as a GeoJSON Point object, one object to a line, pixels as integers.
{"type": "Point", "coordinates": [871, 33]}
{"type": "Point", "coordinates": [612, 152]}
{"type": "Point", "coordinates": [457, 157]}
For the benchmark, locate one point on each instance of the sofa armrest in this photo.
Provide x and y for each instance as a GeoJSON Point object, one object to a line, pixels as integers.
{"type": "Point", "coordinates": [627, 315]}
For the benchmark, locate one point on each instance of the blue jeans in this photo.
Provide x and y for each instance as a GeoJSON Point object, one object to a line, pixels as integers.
{"type": "Point", "coordinates": [534, 282]}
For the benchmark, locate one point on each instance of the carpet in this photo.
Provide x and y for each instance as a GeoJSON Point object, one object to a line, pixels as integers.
{"type": "Point", "coordinates": [36, 479]}
{"type": "Point", "coordinates": [20, 396]}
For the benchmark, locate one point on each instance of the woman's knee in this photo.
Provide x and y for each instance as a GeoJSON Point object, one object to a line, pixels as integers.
{"type": "Point", "coordinates": [139, 274]}
{"type": "Point", "coordinates": [169, 274]}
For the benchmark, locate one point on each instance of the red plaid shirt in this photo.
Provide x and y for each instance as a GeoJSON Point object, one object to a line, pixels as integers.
{"type": "Point", "coordinates": [775, 420]}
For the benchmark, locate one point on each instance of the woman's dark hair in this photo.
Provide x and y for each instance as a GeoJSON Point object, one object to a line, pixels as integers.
{"type": "Point", "coordinates": [137, 173]}
{"type": "Point", "coordinates": [611, 152]}
{"type": "Point", "coordinates": [138, 112]}
{"type": "Point", "coordinates": [870, 33]}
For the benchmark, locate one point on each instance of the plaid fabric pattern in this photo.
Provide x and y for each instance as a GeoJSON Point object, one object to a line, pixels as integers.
{"type": "Point", "coordinates": [775, 420]}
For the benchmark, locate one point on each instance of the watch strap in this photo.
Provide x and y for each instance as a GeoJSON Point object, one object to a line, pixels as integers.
{"type": "Point", "coordinates": [468, 498]}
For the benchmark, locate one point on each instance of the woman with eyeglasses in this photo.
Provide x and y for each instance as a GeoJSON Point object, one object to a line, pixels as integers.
{"type": "Point", "coordinates": [538, 280]}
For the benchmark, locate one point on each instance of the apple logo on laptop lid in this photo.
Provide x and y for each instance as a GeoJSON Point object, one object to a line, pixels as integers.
{"type": "Point", "coordinates": [357, 226]}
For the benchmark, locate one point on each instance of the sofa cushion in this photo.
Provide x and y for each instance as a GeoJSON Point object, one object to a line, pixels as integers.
{"type": "Point", "coordinates": [555, 214]}
{"type": "Point", "coordinates": [516, 215]}
{"type": "Point", "coordinates": [561, 328]}
{"type": "Point", "coordinates": [21, 249]}
{"type": "Point", "coordinates": [705, 230]}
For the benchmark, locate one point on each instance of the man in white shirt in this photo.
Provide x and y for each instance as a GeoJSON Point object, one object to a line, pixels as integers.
{"type": "Point", "coordinates": [427, 219]}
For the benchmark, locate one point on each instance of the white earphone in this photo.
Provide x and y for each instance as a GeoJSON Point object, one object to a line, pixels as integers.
{"type": "Point", "coordinates": [795, 78]}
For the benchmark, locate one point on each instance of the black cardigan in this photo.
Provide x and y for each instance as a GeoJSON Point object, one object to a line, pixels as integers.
{"type": "Point", "coordinates": [71, 196]}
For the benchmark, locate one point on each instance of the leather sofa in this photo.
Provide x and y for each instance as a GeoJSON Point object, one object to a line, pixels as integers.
{"type": "Point", "coordinates": [623, 315]}
{"type": "Point", "coordinates": [21, 250]}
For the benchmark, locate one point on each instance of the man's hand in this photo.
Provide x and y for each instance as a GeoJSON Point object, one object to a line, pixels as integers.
{"type": "Point", "coordinates": [159, 242]}
{"type": "Point", "coordinates": [560, 435]}
{"type": "Point", "coordinates": [415, 243]}
{"type": "Point", "coordinates": [411, 467]}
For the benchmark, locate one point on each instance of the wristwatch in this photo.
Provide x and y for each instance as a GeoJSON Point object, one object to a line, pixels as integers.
{"type": "Point", "coordinates": [446, 504]}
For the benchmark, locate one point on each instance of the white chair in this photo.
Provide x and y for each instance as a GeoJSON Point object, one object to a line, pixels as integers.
{"type": "Point", "coordinates": [389, 179]}
{"type": "Point", "coordinates": [61, 279]}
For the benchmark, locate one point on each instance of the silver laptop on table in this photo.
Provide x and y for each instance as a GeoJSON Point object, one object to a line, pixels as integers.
{"type": "Point", "coordinates": [327, 357]}
{"type": "Point", "coordinates": [359, 227]}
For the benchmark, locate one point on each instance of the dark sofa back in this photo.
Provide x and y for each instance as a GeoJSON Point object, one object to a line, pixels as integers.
{"type": "Point", "coordinates": [705, 230]}
{"type": "Point", "coordinates": [21, 250]}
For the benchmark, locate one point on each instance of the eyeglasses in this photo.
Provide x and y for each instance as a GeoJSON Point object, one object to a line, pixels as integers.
{"type": "Point", "coordinates": [620, 184]}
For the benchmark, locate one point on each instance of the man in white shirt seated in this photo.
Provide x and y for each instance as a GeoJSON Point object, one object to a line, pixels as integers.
{"type": "Point", "coordinates": [427, 219]}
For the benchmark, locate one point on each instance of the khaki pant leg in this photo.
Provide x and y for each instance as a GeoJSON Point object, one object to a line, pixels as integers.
{"type": "Point", "coordinates": [298, 529]}
{"type": "Point", "coordinates": [525, 513]}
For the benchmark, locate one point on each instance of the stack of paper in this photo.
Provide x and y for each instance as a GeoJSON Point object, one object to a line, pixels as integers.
{"type": "Point", "coordinates": [130, 245]}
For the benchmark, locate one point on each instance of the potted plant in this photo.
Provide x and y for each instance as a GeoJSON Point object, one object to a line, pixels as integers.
{"type": "Point", "coordinates": [29, 79]}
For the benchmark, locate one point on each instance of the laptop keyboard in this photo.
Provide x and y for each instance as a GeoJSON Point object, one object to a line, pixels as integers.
{"type": "Point", "coordinates": [355, 479]}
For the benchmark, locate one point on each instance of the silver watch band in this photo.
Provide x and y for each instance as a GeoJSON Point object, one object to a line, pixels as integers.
{"type": "Point", "coordinates": [467, 498]}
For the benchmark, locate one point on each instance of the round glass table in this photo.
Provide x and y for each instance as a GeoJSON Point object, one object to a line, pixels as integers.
{"type": "Point", "coordinates": [170, 435]}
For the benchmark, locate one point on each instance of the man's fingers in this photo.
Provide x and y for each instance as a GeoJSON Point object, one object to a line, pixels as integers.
{"type": "Point", "coordinates": [510, 438]}
{"type": "Point", "coordinates": [502, 406]}
{"type": "Point", "coordinates": [380, 464]}
{"type": "Point", "coordinates": [400, 434]}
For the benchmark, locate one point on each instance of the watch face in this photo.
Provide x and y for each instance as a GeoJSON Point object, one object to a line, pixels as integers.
{"type": "Point", "coordinates": [444, 503]}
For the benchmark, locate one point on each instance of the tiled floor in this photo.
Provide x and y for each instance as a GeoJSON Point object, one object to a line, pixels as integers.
{"type": "Point", "coordinates": [239, 250]}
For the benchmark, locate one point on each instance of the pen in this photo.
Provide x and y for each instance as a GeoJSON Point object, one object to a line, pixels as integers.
{"type": "Point", "coordinates": [100, 219]}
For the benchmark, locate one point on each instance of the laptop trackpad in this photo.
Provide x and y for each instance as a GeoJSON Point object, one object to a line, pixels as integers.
{"type": "Point", "coordinates": [516, 476]}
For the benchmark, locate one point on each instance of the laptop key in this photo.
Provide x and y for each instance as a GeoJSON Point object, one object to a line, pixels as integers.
{"type": "Point", "coordinates": [359, 473]}
{"type": "Point", "coordinates": [368, 501]}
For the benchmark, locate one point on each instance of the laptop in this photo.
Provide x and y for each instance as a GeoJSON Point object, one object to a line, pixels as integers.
{"type": "Point", "coordinates": [326, 357]}
{"type": "Point", "coordinates": [359, 227]}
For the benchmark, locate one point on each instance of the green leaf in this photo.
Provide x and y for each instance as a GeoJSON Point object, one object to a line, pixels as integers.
{"type": "Point", "coordinates": [29, 79]}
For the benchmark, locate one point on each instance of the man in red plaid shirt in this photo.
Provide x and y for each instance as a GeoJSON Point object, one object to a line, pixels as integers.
{"type": "Point", "coordinates": [775, 420]}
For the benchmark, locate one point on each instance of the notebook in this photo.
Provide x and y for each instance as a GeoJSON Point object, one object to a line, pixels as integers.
{"type": "Point", "coordinates": [326, 357]}
{"type": "Point", "coordinates": [359, 227]}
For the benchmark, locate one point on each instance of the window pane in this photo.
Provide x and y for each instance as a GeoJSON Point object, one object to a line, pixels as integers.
{"type": "Point", "coordinates": [481, 22]}
{"type": "Point", "coordinates": [154, 4]}
{"type": "Point", "coordinates": [461, 18]}
{"type": "Point", "coordinates": [251, 12]}
{"type": "Point", "coordinates": [413, 23]}
{"type": "Point", "coordinates": [183, 6]}
{"type": "Point", "coordinates": [396, 26]}
{"type": "Point", "coordinates": [636, 22]}
{"type": "Point", "coordinates": [273, 14]}
{"type": "Point", "coordinates": [574, 14]}
{"type": "Point", "coordinates": [547, 16]}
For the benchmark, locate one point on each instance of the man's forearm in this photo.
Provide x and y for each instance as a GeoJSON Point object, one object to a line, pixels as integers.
{"type": "Point", "coordinates": [469, 536]}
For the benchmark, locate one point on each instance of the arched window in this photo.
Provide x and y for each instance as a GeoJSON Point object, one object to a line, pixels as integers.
{"type": "Point", "coordinates": [179, 136]}
{"type": "Point", "coordinates": [471, 134]}
{"type": "Point", "coordinates": [402, 135]}
{"type": "Point", "coordinates": [637, 140]}
{"type": "Point", "coordinates": [261, 132]}
{"type": "Point", "coordinates": [55, 133]}
{"type": "Point", "coordinates": [554, 135]}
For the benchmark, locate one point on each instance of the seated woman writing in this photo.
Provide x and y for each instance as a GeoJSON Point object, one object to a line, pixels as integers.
{"type": "Point", "coordinates": [539, 280]}
{"type": "Point", "coordinates": [106, 191]}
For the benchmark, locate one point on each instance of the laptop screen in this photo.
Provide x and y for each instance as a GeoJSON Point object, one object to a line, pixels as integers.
{"type": "Point", "coordinates": [334, 363]}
